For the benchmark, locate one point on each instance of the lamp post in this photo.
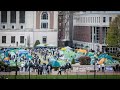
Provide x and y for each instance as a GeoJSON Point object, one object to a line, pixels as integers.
{"type": "Point", "coordinates": [94, 67]}
{"type": "Point", "coordinates": [29, 69]}
{"type": "Point", "coordinates": [16, 68]}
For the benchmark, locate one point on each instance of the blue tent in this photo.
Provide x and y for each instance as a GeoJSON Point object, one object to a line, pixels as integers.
{"type": "Point", "coordinates": [22, 51]}
{"type": "Point", "coordinates": [51, 60]}
{"type": "Point", "coordinates": [105, 56]}
{"type": "Point", "coordinates": [1, 51]}
{"type": "Point", "coordinates": [55, 64]}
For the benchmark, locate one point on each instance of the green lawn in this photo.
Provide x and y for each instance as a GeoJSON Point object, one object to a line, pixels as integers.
{"type": "Point", "coordinates": [63, 76]}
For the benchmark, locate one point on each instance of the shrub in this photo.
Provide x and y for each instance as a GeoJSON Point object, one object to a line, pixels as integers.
{"type": "Point", "coordinates": [73, 61]}
{"type": "Point", "coordinates": [13, 68]}
{"type": "Point", "coordinates": [2, 63]}
{"type": "Point", "coordinates": [85, 60]}
{"type": "Point", "coordinates": [36, 43]}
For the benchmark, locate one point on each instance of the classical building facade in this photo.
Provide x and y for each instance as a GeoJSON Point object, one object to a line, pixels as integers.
{"type": "Point", "coordinates": [23, 28]}
{"type": "Point", "coordinates": [90, 28]}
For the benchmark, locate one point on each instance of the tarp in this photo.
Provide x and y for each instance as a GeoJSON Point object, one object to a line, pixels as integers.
{"type": "Point", "coordinates": [82, 50]}
{"type": "Point", "coordinates": [7, 58]}
{"type": "Point", "coordinates": [101, 61]}
{"type": "Point", "coordinates": [63, 49]}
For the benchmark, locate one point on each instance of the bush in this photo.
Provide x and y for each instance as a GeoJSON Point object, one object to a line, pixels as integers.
{"type": "Point", "coordinates": [2, 63]}
{"type": "Point", "coordinates": [85, 60]}
{"type": "Point", "coordinates": [36, 43]}
{"type": "Point", "coordinates": [13, 68]}
{"type": "Point", "coordinates": [73, 61]}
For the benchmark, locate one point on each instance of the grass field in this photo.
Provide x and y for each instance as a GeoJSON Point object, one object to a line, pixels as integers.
{"type": "Point", "coordinates": [62, 76]}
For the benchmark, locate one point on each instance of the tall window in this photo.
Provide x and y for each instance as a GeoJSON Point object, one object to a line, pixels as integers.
{"type": "Point", "coordinates": [22, 17]}
{"type": "Point", "coordinates": [44, 16]}
{"type": "Point", "coordinates": [4, 16]}
{"type": "Point", "coordinates": [44, 39]}
{"type": "Point", "coordinates": [13, 16]}
{"type": "Point", "coordinates": [91, 33]}
{"type": "Point", "coordinates": [3, 39]}
{"type": "Point", "coordinates": [110, 19]}
{"type": "Point", "coordinates": [97, 34]}
{"type": "Point", "coordinates": [97, 20]}
{"type": "Point", "coordinates": [44, 25]}
{"type": "Point", "coordinates": [104, 19]}
{"type": "Point", "coordinates": [44, 20]}
{"type": "Point", "coordinates": [12, 39]}
{"type": "Point", "coordinates": [21, 39]}
{"type": "Point", "coordinates": [93, 19]}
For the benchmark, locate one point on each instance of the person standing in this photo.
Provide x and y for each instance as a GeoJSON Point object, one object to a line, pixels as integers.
{"type": "Point", "coordinates": [99, 67]}
{"type": "Point", "coordinates": [44, 69]}
{"type": "Point", "coordinates": [59, 70]}
{"type": "Point", "coordinates": [103, 67]}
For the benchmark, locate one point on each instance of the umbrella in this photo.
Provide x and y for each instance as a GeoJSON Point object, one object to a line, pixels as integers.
{"type": "Point", "coordinates": [55, 64]}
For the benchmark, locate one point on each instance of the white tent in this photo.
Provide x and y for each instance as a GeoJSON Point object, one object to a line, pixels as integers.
{"type": "Point", "coordinates": [40, 45]}
{"type": "Point", "coordinates": [51, 45]}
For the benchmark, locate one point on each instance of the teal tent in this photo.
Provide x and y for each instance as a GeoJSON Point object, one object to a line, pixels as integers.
{"type": "Point", "coordinates": [55, 64]}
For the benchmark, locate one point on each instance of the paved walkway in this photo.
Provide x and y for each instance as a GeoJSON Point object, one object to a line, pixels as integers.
{"type": "Point", "coordinates": [67, 73]}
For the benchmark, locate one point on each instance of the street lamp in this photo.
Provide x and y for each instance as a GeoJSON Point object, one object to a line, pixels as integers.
{"type": "Point", "coordinates": [94, 66]}
{"type": "Point", "coordinates": [29, 69]}
{"type": "Point", "coordinates": [16, 68]}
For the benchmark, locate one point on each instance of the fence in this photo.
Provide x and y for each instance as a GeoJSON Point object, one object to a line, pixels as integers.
{"type": "Point", "coordinates": [76, 73]}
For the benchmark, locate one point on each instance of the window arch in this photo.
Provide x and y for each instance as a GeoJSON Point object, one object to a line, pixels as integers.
{"type": "Point", "coordinates": [44, 16]}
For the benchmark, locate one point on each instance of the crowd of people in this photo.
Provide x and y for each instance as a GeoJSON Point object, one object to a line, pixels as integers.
{"type": "Point", "coordinates": [35, 64]}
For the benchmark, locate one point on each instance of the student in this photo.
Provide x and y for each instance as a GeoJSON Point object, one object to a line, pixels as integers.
{"type": "Point", "coordinates": [59, 70]}
{"type": "Point", "coordinates": [99, 67]}
{"type": "Point", "coordinates": [103, 67]}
